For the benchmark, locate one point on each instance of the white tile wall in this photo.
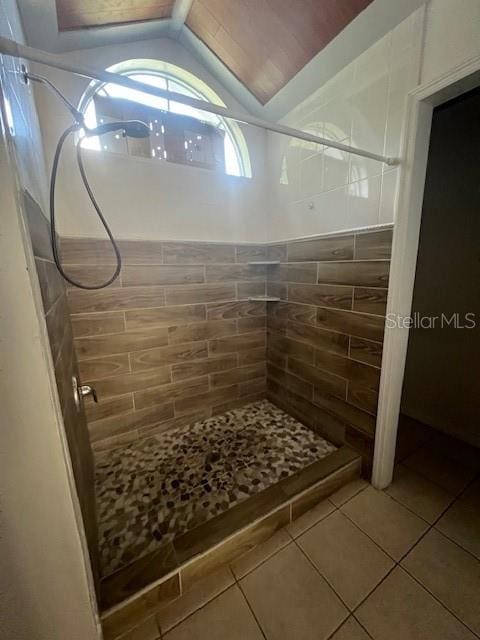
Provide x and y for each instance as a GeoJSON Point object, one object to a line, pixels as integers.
{"type": "Point", "coordinates": [318, 190]}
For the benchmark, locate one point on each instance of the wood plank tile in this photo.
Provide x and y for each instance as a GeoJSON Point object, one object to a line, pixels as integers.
{"type": "Point", "coordinates": [91, 275]}
{"type": "Point", "coordinates": [235, 309]}
{"type": "Point", "coordinates": [321, 295]}
{"type": "Point", "coordinates": [97, 368]}
{"type": "Point", "coordinates": [366, 351]}
{"type": "Point", "coordinates": [358, 372]}
{"type": "Point", "coordinates": [118, 424]}
{"type": "Point", "coordinates": [96, 251]}
{"type": "Point", "coordinates": [201, 331]}
{"type": "Point", "coordinates": [200, 293]}
{"type": "Point", "coordinates": [175, 423]}
{"type": "Point", "coordinates": [236, 403]}
{"type": "Point", "coordinates": [208, 399]}
{"type": "Point", "coordinates": [165, 317]}
{"type": "Point", "coordinates": [372, 273]}
{"type": "Point", "coordinates": [321, 249]}
{"type": "Point", "coordinates": [232, 548]}
{"type": "Point", "coordinates": [320, 379]}
{"type": "Point", "coordinates": [255, 323]}
{"type": "Point", "coordinates": [107, 407]}
{"type": "Point", "coordinates": [239, 374]}
{"type": "Point", "coordinates": [277, 252]}
{"type": "Point", "coordinates": [252, 387]}
{"type": "Point", "coordinates": [170, 392]}
{"type": "Point", "coordinates": [97, 324]}
{"type": "Point", "coordinates": [234, 273]}
{"type": "Point", "coordinates": [376, 245]}
{"type": "Point", "coordinates": [298, 385]}
{"type": "Point", "coordinates": [242, 342]}
{"type": "Point", "coordinates": [247, 289]}
{"type": "Point", "coordinates": [278, 358]}
{"type": "Point", "coordinates": [345, 412]}
{"type": "Point", "coordinates": [252, 356]}
{"type": "Point", "coordinates": [148, 359]}
{"type": "Point", "coordinates": [161, 275]}
{"type": "Point", "coordinates": [370, 300]}
{"type": "Point", "coordinates": [51, 283]}
{"type": "Point", "coordinates": [117, 299]}
{"type": "Point", "coordinates": [105, 345]}
{"type": "Point", "coordinates": [352, 323]}
{"type": "Point", "coordinates": [277, 289]}
{"type": "Point", "coordinates": [129, 382]}
{"type": "Point", "coordinates": [296, 312]}
{"type": "Point", "coordinates": [139, 575]}
{"type": "Point", "coordinates": [294, 348]}
{"type": "Point", "coordinates": [251, 252]}
{"type": "Point", "coordinates": [197, 253]}
{"type": "Point", "coordinates": [319, 338]}
{"type": "Point", "coordinates": [366, 399]}
{"type": "Point", "coordinates": [58, 322]}
{"type": "Point", "coordinates": [185, 370]}
{"type": "Point", "coordinates": [294, 272]}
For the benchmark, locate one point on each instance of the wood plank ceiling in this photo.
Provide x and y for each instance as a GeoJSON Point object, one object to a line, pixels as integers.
{"type": "Point", "coordinates": [80, 14]}
{"type": "Point", "coordinates": [266, 42]}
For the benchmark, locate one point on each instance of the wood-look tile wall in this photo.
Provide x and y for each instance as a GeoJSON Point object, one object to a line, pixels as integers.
{"type": "Point", "coordinates": [174, 340]}
{"type": "Point", "coordinates": [325, 336]}
{"type": "Point", "coordinates": [60, 335]}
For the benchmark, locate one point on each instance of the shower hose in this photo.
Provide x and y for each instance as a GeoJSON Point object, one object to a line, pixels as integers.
{"type": "Point", "coordinates": [53, 227]}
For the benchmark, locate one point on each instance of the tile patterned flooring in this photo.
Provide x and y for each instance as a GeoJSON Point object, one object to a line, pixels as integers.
{"type": "Point", "coordinates": [157, 489]}
{"type": "Point", "coordinates": [394, 565]}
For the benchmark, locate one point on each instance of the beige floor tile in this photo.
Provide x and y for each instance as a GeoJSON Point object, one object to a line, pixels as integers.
{"type": "Point", "coordinates": [462, 521]}
{"type": "Point", "coordinates": [400, 609]}
{"type": "Point", "coordinates": [450, 573]}
{"type": "Point", "coordinates": [348, 491]}
{"type": "Point", "coordinates": [291, 600]}
{"type": "Point", "coordinates": [309, 518]}
{"type": "Point", "coordinates": [389, 524]}
{"type": "Point", "coordinates": [148, 630]}
{"type": "Point", "coordinates": [439, 468]}
{"type": "Point", "coordinates": [346, 557]}
{"type": "Point", "coordinates": [350, 630]}
{"type": "Point", "coordinates": [243, 565]}
{"type": "Point", "coordinates": [228, 616]}
{"type": "Point", "coordinates": [201, 593]}
{"type": "Point", "coordinates": [423, 497]}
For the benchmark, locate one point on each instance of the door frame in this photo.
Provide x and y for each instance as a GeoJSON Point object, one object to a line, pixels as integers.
{"type": "Point", "coordinates": [408, 214]}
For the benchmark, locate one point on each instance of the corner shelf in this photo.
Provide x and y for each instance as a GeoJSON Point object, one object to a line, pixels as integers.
{"type": "Point", "coordinates": [264, 299]}
{"type": "Point", "coordinates": [264, 262]}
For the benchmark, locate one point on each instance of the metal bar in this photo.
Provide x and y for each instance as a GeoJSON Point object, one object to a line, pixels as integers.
{"type": "Point", "coordinates": [12, 48]}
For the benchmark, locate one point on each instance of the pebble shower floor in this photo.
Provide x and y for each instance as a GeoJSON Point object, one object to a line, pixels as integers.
{"type": "Point", "coordinates": [158, 488]}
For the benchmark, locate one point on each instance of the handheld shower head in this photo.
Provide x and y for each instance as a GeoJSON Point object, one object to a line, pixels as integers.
{"type": "Point", "coordinates": [131, 128]}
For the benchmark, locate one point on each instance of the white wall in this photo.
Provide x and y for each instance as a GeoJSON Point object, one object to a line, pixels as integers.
{"type": "Point", "coordinates": [45, 585]}
{"type": "Point", "coordinates": [143, 198]}
{"type": "Point", "coordinates": [319, 190]}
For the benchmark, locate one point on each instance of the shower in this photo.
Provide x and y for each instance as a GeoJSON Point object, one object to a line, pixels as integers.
{"type": "Point", "coordinates": [129, 128]}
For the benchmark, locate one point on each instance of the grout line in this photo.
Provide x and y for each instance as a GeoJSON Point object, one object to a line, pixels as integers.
{"type": "Point", "coordinates": [251, 609]}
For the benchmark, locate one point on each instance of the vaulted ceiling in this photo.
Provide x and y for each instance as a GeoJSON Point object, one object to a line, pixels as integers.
{"type": "Point", "coordinates": [79, 14]}
{"type": "Point", "coordinates": [264, 43]}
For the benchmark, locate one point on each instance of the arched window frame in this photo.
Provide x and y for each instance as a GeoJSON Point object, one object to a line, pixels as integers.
{"type": "Point", "coordinates": [194, 86]}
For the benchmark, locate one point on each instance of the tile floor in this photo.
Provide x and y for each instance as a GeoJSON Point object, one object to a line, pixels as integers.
{"type": "Point", "coordinates": [154, 490]}
{"type": "Point", "coordinates": [402, 564]}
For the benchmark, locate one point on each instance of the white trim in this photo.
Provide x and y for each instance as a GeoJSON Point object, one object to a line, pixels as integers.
{"type": "Point", "coordinates": [421, 103]}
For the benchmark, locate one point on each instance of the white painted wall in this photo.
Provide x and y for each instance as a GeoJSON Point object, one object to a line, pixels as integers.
{"type": "Point", "coordinates": [144, 198]}
{"type": "Point", "coordinates": [45, 584]}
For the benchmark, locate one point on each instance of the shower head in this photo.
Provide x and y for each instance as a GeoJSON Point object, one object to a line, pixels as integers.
{"type": "Point", "coordinates": [131, 128]}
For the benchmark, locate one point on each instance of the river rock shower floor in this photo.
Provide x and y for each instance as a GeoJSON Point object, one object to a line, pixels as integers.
{"type": "Point", "coordinates": [156, 489]}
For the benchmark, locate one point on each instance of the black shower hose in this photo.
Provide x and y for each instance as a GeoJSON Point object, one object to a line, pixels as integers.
{"type": "Point", "coordinates": [53, 232]}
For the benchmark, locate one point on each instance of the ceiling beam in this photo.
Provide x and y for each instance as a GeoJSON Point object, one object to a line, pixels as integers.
{"type": "Point", "coordinates": [180, 11]}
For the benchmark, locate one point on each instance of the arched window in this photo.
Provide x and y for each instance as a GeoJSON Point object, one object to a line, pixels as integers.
{"type": "Point", "coordinates": [179, 133]}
